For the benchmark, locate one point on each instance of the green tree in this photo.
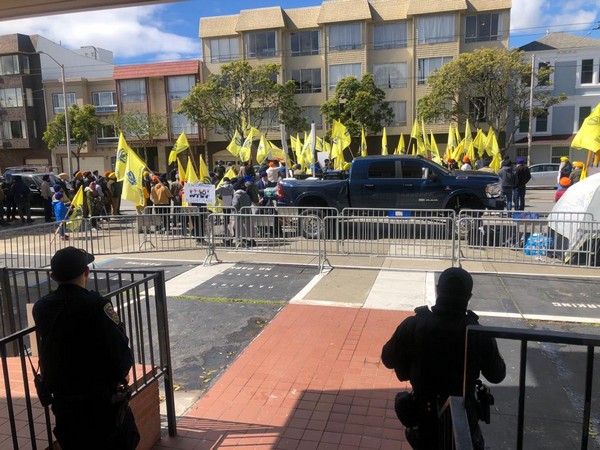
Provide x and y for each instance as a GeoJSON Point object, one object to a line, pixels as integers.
{"type": "Point", "coordinates": [83, 126]}
{"type": "Point", "coordinates": [357, 104]}
{"type": "Point", "coordinates": [141, 130]}
{"type": "Point", "coordinates": [488, 85]}
{"type": "Point", "coordinates": [243, 93]}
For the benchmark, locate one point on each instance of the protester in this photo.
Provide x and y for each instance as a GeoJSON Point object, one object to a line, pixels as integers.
{"type": "Point", "coordinates": [429, 350]}
{"type": "Point", "coordinates": [575, 175]}
{"type": "Point", "coordinates": [22, 195]}
{"type": "Point", "coordinates": [60, 213]}
{"type": "Point", "coordinates": [85, 360]}
{"type": "Point", "coordinates": [508, 180]}
{"type": "Point", "coordinates": [466, 164]}
{"type": "Point", "coordinates": [242, 227]}
{"type": "Point", "coordinates": [161, 197]}
{"type": "Point", "coordinates": [95, 205]}
{"type": "Point", "coordinates": [523, 175]}
{"type": "Point", "coordinates": [565, 167]}
{"type": "Point", "coordinates": [563, 185]}
{"type": "Point", "coordinates": [46, 194]}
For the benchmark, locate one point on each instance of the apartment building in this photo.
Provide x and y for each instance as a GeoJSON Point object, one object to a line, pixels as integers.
{"type": "Point", "coordinates": [159, 88]}
{"type": "Point", "coordinates": [22, 118]}
{"type": "Point", "coordinates": [399, 42]}
{"type": "Point", "coordinates": [576, 64]}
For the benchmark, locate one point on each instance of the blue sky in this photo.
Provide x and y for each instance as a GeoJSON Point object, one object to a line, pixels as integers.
{"type": "Point", "coordinates": [170, 31]}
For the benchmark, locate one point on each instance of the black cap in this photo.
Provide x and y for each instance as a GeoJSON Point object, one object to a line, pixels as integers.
{"type": "Point", "coordinates": [68, 263]}
{"type": "Point", "coordinates": [454, 288]}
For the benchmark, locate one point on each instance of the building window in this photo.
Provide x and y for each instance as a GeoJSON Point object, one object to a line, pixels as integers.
{"type": "Point", "coordinates": [180, 87]}
{"type": "Point", "coordinates": [477, 109]}
{"type": "Point", "coordinates": [133, 91]}
{"type": "Point", "coordinates": [346, 36]}
{"type": "Point", "coordinates": [435, 29]}
{"type": "Point", "coordinates": [307, 80]}
{"type": "Point", "coordinates": [389, 76]}
{"type": "Point", "coordinates": [313, 114]}
{"type": "Point", "coordinates": [399, 109]}
{"type": "Point", "coordinates": [25, 63]}
{"type": "Point", "coordinates": [524, 126]}
{"type": "Point", "coordinates": [29, 96]}
{"type": "Point", "coordinates": [14, 129]}
{"type": "Point", "coordinates": [9, 65]}
{"type": "Point", "coordinates": [541, 123]}
{"type": "Point", "coordinates": [558, 152]}
{"type": "Point", "coordinates": [104, 101]}
{"type": "Point", "coordinates": [107, 134]}
{"type": "Point", "coordinates": [181, 124]}
{"type": "Point", "coordinates": [305, 43]}
{"type": "Point", "coordinates": [483, 27]}
{"type": "Point", "coordinates": [544, 79]}
{"type": "Point", "coordinates": [261, 44]}
{"type": "Point", "coordinates": [584, 112]}
{"type": "Point", "coordinates": [389, 35]}
{"type": "Point", "coordinates": [339, 71]}
{"type": "Point", "coordinates": [224, 49]}
{"type": "Point", "coordinates": [587, 71]}
{"type": "Point", "coordinates": [58, 104]}
{"type": "Point", "coordinates": [428, 65]}
{"type": "Point", "coordinates": [11, 97]}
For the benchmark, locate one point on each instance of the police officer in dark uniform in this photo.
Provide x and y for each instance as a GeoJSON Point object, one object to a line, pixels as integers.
{"type": "Point", "coordinates": [85, 360]}
{"type": "Point", "coordinates": [428, 349]}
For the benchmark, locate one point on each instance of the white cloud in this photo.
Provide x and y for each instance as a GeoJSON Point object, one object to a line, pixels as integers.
{"type": "Point", "coordinates": [539, 16]}
{"type": "Point", "coordinates": [128, 32]}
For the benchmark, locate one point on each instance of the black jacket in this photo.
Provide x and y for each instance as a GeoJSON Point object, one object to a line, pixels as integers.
{"type": "Point", "coordinates": [83, 347]}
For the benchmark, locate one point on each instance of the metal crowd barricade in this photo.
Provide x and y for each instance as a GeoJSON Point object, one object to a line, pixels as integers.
{"type": "Point", "coordinates": [404, 233]}
{"type": "Point", "coordinates": [520, 239]}
{"type": "Point", "coordinates": [139, 299]}
{"type": "Point", "coordinates": [261, 232]}
{"type": "Point", "coordinates": [34, 245]}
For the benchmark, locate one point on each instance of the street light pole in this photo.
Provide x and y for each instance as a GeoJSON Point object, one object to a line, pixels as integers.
{"type": "Point", "coordinates": [530, 129]}
{"type": "Point", "coordinates": [64, 96]}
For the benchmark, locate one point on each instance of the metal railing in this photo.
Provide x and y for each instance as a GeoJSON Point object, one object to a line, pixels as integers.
{"type": "Point", "coordinates": [140, 300]}
{"type": "Point", "coordinates": [454, 431]}
{"type": "Point", "coordinates": [524, 337]}
{"type": "Point", "coordinates": [523, 237]}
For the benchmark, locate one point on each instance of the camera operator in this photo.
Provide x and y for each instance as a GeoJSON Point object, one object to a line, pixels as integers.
{"type": "Point", "coordinates": [428, 349]}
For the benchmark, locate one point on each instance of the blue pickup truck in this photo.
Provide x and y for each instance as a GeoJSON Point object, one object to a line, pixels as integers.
{"type": "Point", "coordinates": [394, 182]}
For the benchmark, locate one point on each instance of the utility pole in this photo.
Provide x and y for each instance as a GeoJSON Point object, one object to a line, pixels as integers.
{"type": "Point", "coordinates": [529, 131]}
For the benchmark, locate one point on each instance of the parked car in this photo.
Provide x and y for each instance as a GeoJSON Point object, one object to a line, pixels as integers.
{"type": "Point", "coordinates": [543, 175]}
{"type": "Point", "coordinates": [34, 181]}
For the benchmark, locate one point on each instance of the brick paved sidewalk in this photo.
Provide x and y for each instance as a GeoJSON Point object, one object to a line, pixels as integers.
{"type": "Point", "coordinates": [311, 380]}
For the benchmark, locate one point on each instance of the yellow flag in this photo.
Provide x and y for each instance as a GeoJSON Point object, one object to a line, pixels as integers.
{"type": "Point", "coordinates": [180, 170]}
{"type": "Point", "coordinates": [122, 152]}
{"type": "Point", "coordinates": [435, 153]}
{"type": "Point", "coordinates": [235, 145]}
{"type": "Point", "coordinates": [384, 147]}
{"type": "Point", "coordinates": [451, 143]}
{"type": "Point", "coordinates": [229, 174]}
{"type": "Point", "coordinates": [204, 173]}
{"type": "Point", "coordinates": [133, 189]}
{"type": "Point", "coordinates": [363, 143]}
{"type": "Point", "coordinates": [425, 140]}
{"type": "Point", "coordinates": [479, 142]}
{"type": "Point", "coordinates": [247, 129]}
{"type": "Point", "coordinates": [307, 153]}
{"type": "Point", "coordinates": [180, 146]}
{"type": "Point", "coordinates": [401, 148]}
{"type": "Point", "coordinates": [468, 136]}
{"type": "Point", "coordinates": [471, 152]}
{"type": "Point", "coordinates": [340, 133]}
{"type": "Point", "coordinates": [458, 152]}
{"type": "Point", "coordinates": [262, 151]}
{"type": "Point", "coordinates": [588, 136]}
{"type": "Point", "coordinates": [190, 172]}
{"type": "Point", "coordinates": [457, 134]}
{"type": "Point", "coordinates": [414, 134]}
{"type": "Point", "coordinates": [276, 152]}
{"type": "Point", "coordinates": [246, 150]}
{"type": "Point", "coordinates": [496, 162]}
{"type": "Point", "coordinates": [74, 219]}
{"type": "Point", "coordinates": [491, 144]}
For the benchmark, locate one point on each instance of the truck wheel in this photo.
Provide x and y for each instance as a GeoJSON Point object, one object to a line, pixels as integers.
{"type": "Point", "coordinates": [461, 228]}
{"type": "Point", "coordinates": [313, 227]}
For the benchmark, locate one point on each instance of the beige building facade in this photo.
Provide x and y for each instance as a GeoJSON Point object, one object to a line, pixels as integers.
{"type": "Point", "coordinates": [399, 42]}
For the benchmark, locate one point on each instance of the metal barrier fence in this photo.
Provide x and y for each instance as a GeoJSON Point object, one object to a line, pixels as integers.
{"type": "Point", "coordinates": [525, 336]}
{"type": "Point", "coordinates": [473, 235]}
{"type": "Point", "coordinates": [140, 300]}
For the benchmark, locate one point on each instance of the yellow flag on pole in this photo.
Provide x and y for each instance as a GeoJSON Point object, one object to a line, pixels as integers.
{"type": "Point", "coordinates": [435, 153]}
{"type": "Point", "coordinates": [190, 172]}
{"type": "Point", "coordinates": [384, 147]}
{"type": "Point", "coordinates": [262, 150]}
{"type": "Point", "coordinates": [180, 170]}
{"type": "Point", "coordinates": [235, 145]}
{"type": "Point", "coordinates": [133, 190]}
{"type": "Point", "coordinates": [74, 219]}
{"type": "Point", "coordinates": [414, 134]}
{"type": "Point", "coordinates": [229, 174]}
{"type": "Point", "coordinates": [451, 143]}
{"type": "Point", "coordinates": [363, 143]}
{"type": "Point", "coordinates": [122, 152]}
{"type": "Point", "coordinates": [588, 136]}
{"type": "Point", "coordinates": [204, 173]}
{"type": "Point", "coordinates": [180, 146]}
{"type": "Point", "coordinates": [246, 150]}
{"type": "Point", "coordinates": [247, 129]}
{"type": "Point", "coordinates": [401, 148]}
